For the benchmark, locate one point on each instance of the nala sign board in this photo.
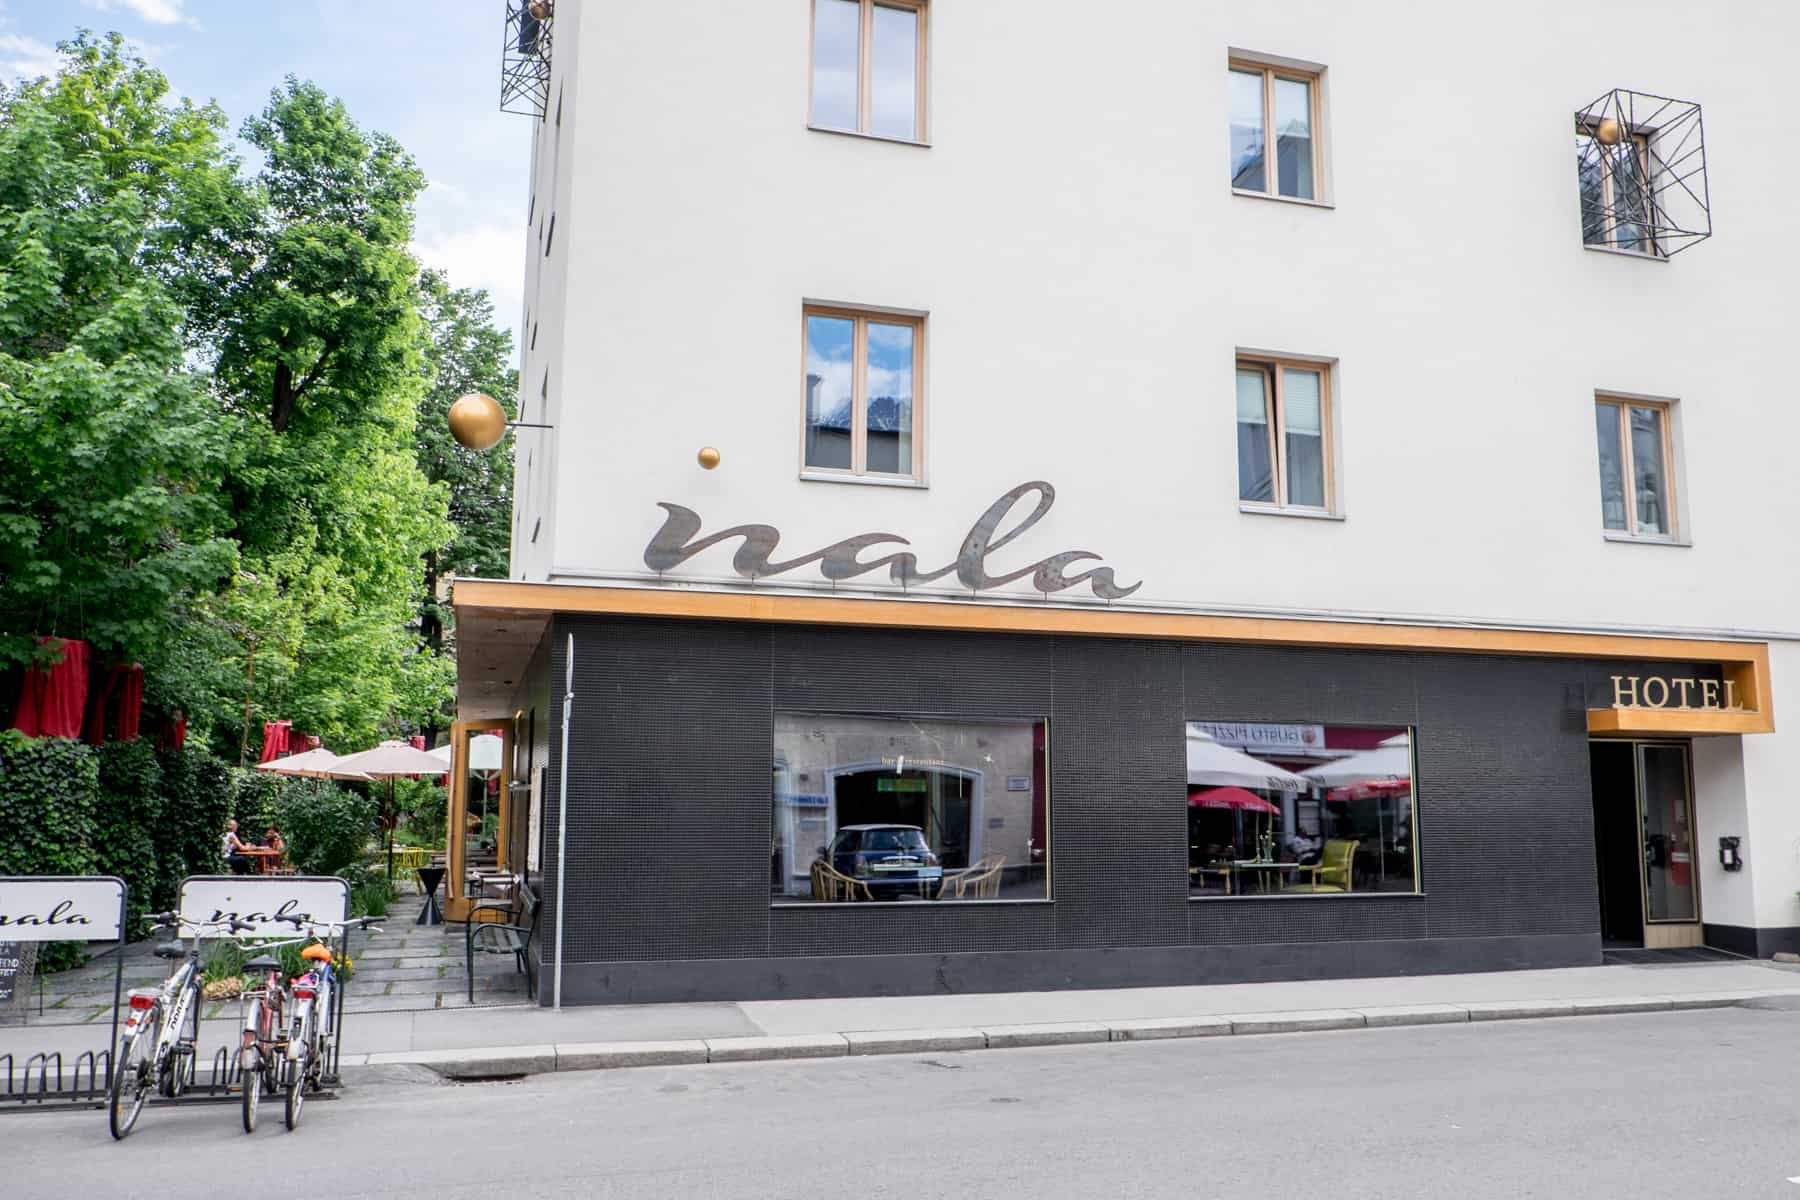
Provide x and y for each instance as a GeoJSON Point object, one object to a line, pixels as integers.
{"type": "Point", "coordinates": [678, 540]}
{"type": "Point", "coordinates": [269, 904]}
{"type": "Point", "coordinates": [61, 908]}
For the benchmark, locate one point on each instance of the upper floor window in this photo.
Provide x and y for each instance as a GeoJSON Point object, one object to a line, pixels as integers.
{"type": "Point", "coordinates": [1617, 201]}
{"type": "Point", "coordinates": [861, 403]}
{"type": "Point", "coordinates": [1636, 467]}
{"type": "Point", "coordinates": [1274, 131]}
{"type": "Point", "coordinates": [1284, 434]}
{"type": "Point", "coordinates": [868, 67]}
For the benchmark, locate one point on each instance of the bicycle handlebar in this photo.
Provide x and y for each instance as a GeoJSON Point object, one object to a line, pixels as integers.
{"type": "Point", "coordinates": [169, 919]}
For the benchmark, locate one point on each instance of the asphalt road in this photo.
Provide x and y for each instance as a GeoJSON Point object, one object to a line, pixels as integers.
{"type": "Point", "coordinates": [1696, 1105]}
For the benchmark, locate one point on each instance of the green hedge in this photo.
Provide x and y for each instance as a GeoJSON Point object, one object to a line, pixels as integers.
{"type": "Point", "coordinates": [127, 832]}
{"type": "Point", "coordinates": [49, 794]}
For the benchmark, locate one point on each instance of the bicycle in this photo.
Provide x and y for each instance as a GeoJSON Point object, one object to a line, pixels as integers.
{"type": "Point", "coordinates": [314, 1026]}
{"type": "Point", "coordinates": [162, 1027]}
{"type": "Point", "coordinates": [265, 1057]}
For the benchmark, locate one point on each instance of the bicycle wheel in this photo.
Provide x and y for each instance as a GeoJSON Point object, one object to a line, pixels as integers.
{"type": "Point", "coordinates": [131, 1078]}
{"type": "Point", "coordinates": [296, 1096]}
{"type": "Point", "coordinates": [252, 1094]}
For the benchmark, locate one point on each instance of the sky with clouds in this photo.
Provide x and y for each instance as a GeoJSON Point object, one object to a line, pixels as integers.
{"type": "Point", "coordinates": [425, 71]}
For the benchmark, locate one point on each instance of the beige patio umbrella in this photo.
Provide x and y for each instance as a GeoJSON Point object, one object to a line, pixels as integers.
{"type": "Point", "coordinates": [390, 760]}
{"type": "Point", "coordinates": [318, 763]}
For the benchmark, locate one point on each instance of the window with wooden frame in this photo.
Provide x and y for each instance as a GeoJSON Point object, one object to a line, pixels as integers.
{"type": "Point", "coordinates": [1637, 467]}
{"type": "Point", "coordinates": [1275, 148]}
{"type": "Point", "coordinates": [1616, 194]}
{"type": "Point", "coordinates": [862, 416]}
{"type": "Point", "coordinates": [1284, 438]}
{"type": "Point", "coordinates": [868, 67]}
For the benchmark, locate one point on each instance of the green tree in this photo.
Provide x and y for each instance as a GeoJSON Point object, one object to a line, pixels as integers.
{"type": "Point", "coordinates": [111, 448]}
{"type": "Point", "coordinates": [465, 353]}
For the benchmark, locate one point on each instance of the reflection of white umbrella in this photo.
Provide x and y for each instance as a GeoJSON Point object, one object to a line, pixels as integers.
{"type": "Point", "coordinates": [389, 761]}
{"type": "Point", "coordinates": [484, 753]}
{"type": "Point", "coordinates": [1212, 765]}
{"type": "Point", "coordinates": [442, 754]}
{"type": "Point", "coordinates": [318, 763]}
{"type": "Point", "coordinates": [1391, 761]}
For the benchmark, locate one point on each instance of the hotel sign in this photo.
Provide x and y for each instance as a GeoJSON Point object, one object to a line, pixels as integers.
{"type": "Point", "coordinates": [1660, 691]}
{"type": "Point", "coordinates": [678, 540]}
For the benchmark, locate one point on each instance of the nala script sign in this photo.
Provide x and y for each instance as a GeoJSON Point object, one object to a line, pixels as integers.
{"type": "Point", "coordinates": [678, 540]}
{"type": "Point", "coordinates": [265, 902]}
{"type": "Point", "coordinates": [61, 908]}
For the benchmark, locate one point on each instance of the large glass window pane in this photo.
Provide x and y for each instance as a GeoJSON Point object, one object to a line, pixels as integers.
{"type": "Point", "coordinates": [1612, 467]}
{"type": "Point", "coordinates": [890, 392]}
{"type": "Point", "coordinates": [1294, 138]}
{"type": "Point", "coordinates": [1591, 167]}
{"type": "Point", "coordinates": [1669, 867]}
{"type": "Point", "coordinates": [1647, 470]}
{"type": "Point", "coordinates": [1247, 131]}
{"type": "Point", "coordinates": [1256, 470]}
{"type": "Point", "coordinates": [870, 809]}
{"type": "Point", "coordinates": [1303, 423]}
{"type": "Point", "coordinates": [894, 73]}
{"type": "Point", "coordinates": [830, 391]}
{"type": "Point", "coordinates": [837, 58]}
{"type": "Point", "coordinates": [1300, 808]}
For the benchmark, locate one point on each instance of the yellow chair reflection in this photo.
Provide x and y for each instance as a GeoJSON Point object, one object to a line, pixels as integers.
{"type": "Point", "coordinates": [1332, 873]}
{"type": "Point", "coordinates": [979, 882]}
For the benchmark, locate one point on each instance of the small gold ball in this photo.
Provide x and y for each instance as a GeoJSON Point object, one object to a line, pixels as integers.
{"type": "Point", "coordinates": [1609, 131]}
{"type": "Point", "coordinates": [709, 457]}
{"type": "Point", "coordinates": [540, 9]}
{"type": "Point", "coordinates": [477, 421]}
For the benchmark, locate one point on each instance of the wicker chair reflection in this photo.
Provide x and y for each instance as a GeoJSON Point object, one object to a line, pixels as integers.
{"type": "Point", "coordinates": [828, 883]}
{"type": "Point", "coordinates": [979, 882]}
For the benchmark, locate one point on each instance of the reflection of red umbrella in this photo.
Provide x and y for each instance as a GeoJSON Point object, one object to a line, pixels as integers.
{"type": "Point", "coordinates": [1229, 797]}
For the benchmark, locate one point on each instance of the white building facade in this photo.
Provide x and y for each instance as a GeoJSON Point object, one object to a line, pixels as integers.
{"type": "Point", "coordinates": [1425, 354]}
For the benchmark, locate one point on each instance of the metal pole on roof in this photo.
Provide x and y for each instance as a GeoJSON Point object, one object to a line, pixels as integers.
{"type": "Point", "coordinates": [562, 811]}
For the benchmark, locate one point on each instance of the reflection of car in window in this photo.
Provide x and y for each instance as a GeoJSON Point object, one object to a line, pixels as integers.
{"type": "Point", "coordinates": [890, 860]}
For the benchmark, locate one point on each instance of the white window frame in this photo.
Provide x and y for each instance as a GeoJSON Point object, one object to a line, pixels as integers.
{"type": "Point", "coordinates": [1314, 77]}
{"type": "Point", "coordinates": [858, 471]}
{"type": "Point", "coordinates": [865, 76]}
{"type": "Point", "coordinates": [1623, 404]}
{"type": "Point", "coordinates": [1275, 411]}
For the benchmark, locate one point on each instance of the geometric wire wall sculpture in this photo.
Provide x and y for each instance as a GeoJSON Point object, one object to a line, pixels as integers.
{"type": "Point", "coordinates": [1642, 165]}
{"type": "Point", "coordinates": [525, 57]}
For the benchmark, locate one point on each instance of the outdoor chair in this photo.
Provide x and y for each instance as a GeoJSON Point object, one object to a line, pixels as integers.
{"type": "Point", "coordinates": [1332, 873]}
{"type": "Point", "coordinates": [501, 937]}
{"type": "Point", "coordinates": [982, 881]}
{"type": "Point", "coordinates": [831, 884]}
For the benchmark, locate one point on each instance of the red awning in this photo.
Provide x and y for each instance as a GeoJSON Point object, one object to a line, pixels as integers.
{"type": "Point", "coordinates": [1369, 790]}
{"type": "Point", "coordinates": [1229, 797]}
{"type": "Point", "coordinates": [53, 697]}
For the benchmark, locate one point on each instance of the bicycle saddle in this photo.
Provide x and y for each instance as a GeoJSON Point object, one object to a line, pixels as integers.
{"type": "Point", "coordinates": [317, 953]}
{"type": "Point", "coordinates": [263, 962]}
{"type": "Point", "coordinates": [175, 949]}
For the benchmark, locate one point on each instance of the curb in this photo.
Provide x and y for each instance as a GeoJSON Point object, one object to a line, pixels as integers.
{"type": "Point", "coordinates": [513, 1061]}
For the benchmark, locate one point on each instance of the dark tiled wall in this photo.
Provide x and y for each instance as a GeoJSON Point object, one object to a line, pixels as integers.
{"type": "Point", "coordinates": [670, 805]}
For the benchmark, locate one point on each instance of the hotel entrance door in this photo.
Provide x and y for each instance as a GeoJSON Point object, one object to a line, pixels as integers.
{"type": "Point", "coordinates": [1644, 843]}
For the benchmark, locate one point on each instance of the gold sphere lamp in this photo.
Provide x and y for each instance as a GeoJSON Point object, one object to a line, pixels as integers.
{"type": "Point", "coordinates": [1609, 132]}
{"type": "Point", "coordinates": [708, 457]}
{"type": "Point", "coordinates": [477, 422]}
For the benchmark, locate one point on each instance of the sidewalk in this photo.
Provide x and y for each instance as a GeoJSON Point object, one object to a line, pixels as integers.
{"type": "Point", "coordinates": [518, 1038]}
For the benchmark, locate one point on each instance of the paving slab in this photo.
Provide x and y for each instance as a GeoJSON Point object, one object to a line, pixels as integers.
{"type": "Point", "coordinates": [914, 1041]}
{"type": "Point", "coordinates": [601, 1056]}
{"type": "Point", "coordinates": [757, 1049]}
{"type": "Point", "coordinates": [1049, 1033]}
{"type": "Point", "coordinates": [1305, 1021]}
{"type": "Point", "coordinates": [1148, 1029]}
{"type": "Point", "coordinates": [1414, 1014]}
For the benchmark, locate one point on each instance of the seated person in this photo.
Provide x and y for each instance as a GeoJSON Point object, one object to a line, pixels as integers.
{"type": "Point", "coordinates": [233, 847]}
{"type": "Point", "coordinates": [1303, 848]}
{"type": "Point", "coordinates": [272, 840]}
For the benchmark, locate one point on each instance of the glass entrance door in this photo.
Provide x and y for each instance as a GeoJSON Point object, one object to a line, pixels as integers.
{"type": "Point", "coordinates": [1666, 809]}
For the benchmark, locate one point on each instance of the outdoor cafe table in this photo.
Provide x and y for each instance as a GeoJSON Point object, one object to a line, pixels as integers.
{"type": "Point", "coordinates": [266, 859]}
{"type": "Point", "coordinates": [1262, 881]}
